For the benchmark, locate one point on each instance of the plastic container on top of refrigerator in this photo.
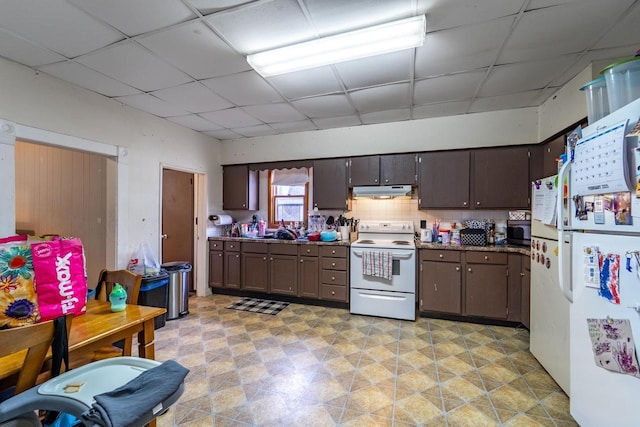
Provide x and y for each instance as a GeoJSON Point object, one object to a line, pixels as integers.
{"type": "Point", "coordinates": [623, 82]}
{"type": "Point", "coordinates": [597, 99]}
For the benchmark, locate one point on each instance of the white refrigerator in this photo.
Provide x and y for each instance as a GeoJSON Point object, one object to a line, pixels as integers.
{"type": "Point", "coordinates": [599, 234]}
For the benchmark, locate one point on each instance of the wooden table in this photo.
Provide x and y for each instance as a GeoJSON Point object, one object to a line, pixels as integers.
{"type": "Point", "coordinates": [100, 327]}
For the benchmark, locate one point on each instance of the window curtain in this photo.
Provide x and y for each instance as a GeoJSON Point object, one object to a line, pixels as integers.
{"type": "Point", "coordinates": [290, 176]}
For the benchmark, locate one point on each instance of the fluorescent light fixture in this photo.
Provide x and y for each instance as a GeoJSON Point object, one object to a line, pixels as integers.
{"type": "Point", "coordinates": [385, 38]}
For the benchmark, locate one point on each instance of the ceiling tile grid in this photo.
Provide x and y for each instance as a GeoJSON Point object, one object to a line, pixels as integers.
{"type": "Point", "coordinates": [185, 60]}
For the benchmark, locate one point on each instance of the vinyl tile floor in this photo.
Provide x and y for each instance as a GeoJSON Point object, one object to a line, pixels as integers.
{"type": "Point", "coordinates": [318, 366]}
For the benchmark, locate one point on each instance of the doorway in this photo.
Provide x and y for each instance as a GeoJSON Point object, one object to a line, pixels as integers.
{"type": "Point", "coordinates": [178, 219]}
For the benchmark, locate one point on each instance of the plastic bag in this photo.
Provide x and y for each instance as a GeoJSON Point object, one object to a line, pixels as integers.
{"type": "Point", "coordinates": [60, 277]}
{"type": "Point", "coordinates": [143, 261]}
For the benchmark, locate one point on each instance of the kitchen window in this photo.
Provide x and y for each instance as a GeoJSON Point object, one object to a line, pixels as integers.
{"type": "Point", "coordinates": [288, 196]}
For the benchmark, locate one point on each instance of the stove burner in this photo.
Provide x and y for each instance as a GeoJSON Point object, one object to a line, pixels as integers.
{"type": "Point", "coordinates": [366, 242]}
{"type": "Point", "coordinates": [400, 242]}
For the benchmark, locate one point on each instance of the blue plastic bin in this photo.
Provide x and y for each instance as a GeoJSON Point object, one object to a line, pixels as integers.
{"type": "Point", "coordinates": [154, 292]}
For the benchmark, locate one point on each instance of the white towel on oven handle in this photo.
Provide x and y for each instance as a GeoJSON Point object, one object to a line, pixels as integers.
{"type": "Point", "coordinates": [377, 264]}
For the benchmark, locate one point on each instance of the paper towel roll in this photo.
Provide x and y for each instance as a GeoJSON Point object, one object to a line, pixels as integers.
{"type": "Point", "coordinates": [222, 219]}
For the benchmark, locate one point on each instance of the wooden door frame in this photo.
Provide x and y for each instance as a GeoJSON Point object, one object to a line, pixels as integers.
{"type": "Point", "coordinates": [200, 251]}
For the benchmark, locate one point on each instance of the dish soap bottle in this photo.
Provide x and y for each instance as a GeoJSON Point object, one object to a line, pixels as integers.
{"type": "Point", "coordinates": [118, 298]}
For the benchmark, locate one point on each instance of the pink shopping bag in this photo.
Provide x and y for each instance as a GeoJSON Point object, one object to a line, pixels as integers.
{"type": "Point", "coordinates": [60, 277]}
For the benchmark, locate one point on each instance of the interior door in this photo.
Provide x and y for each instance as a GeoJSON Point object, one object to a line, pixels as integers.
{"type": "Point", "coordinates": [178, 218]}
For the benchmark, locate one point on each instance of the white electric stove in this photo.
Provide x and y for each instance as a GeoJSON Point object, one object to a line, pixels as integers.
{"type": "Point", "coordinates": [383, 270]}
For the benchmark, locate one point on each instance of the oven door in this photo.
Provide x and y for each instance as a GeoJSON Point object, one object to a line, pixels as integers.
{"type": "Point", "coordinates": [403, 271]}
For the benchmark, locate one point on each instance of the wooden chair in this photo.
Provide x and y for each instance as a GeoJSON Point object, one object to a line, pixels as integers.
{"type": "Point", "coordinates": [131, 282]}
{"type": "Point", "coordinates": [35, 340]}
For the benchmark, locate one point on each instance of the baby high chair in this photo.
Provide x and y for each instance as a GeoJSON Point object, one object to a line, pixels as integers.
{"type": "Point", "coordinates": [116, 392]}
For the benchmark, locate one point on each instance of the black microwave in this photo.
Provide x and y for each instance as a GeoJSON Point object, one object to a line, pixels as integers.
{"type": "Point", "coordinates": [519, 232]}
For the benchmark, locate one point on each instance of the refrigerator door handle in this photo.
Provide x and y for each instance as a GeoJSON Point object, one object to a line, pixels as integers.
{"type": "Point", "coordinates": [560, 224]}
{"type": "Point", "coordinates": [564, 265]}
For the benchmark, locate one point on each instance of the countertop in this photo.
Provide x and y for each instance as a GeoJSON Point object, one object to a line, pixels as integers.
{"type": "Point", "coordinates": [524, 250]}
{"type": "Point", "coordinates": [280, 241]}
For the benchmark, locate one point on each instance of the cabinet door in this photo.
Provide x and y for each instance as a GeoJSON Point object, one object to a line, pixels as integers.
{"type": "Point", "coordinates": [444, 179]}
{"type": "Point", "coordinates": [500, 178]}
{"type": "Point", "coordinates": [486, 290]}
{"type": "Point", "coordinates": [398, 169]}
{"type": "Point", "coordinates": [239, 188]}
{"type": "Point", "coordinates": [364, 171]}
{"type": "Point", "coordinates": [309, 276]}
{"type": "Point", "coordinates": [283, 274]}
{"type": "Point", "coordinates": [550, 152]}
{"type": "Point", "coordinates": [216, 269]}
{"type": "Point", "coordinates": [255, 272]}
{"type": "Point", "coordinates": [440, 287]}
{"type": "Point", "coordinates": [330, 184]}
{"type": "Point", "coordinates": [526, 291]}
{"type": "Point", "coordinates": [232, 269]}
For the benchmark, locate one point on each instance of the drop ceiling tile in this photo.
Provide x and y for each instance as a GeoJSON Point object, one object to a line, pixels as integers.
{"type": "Point", "coordinates": [563, 30]}
{"type": "Point", "coordinates": [260, 130]}
{"type": "Point", "coordinates": [316, 81]}
{"type": "Point", "coordinates": [151, 105]}
{"type": "Point", "coordinates": [461, 49]}
{"type": "Point", "coordinates": [338, 122]}
{"type": "Point", "coordinates": [441, 109]}
{"type": "Point", "coordinates": [381, 98]}
{"type": "Point", "coordinates": [195, 122]}
{"type": "Point", "coordinates": [506, 79]}
{"type": "Point", "coordinates": [272, 113]}
{"type": "Point", "coordinates": [338, 16]}
{"type": "Point", "coordinates": [42, 22]}
{"type": "Point", "coordinates": [442, 14]}
{"type": "Point", "coordinates": [447, 88]}
{"type": "Point", "coordinates": [24, 52]}
{"type": "Point", "coordinates": [626, 32]}
{"type": "Point", "coordinates": [324, 106]}
{"type": "Point", "coordinates": [386, 116]}
{"type": "Point", "coordinates": [299, 126]}
{"type": "Point", "coordinates": [82, 76]}
{"type": "Point", "coordinates": [246, 88]}
{"type": "Point", "coordinates": [139, 16]}
{"type": "Point", "coordinates": [207, 7]}
{"type": "Point", "coordinates": [223, 134]}
{"type": "Point", "coordinates": [252, 28]}
{"type": "Point", "coordinates": [196, 50]}
{"type": "Point", "coordinates": [375, 70]}
{"type": "Point", "coordinates": [133, 65]}
{"type": "Point", "coordinates": [231, 118]}
{"type": "Point", "coordinates": [504, 102]}
{"type": "Point", "coordinates": [193, 97]}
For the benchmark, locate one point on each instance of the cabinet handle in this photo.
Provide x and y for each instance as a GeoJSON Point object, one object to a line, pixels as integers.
{"type": "Point", "coordinates": [486, 257]}
{"type": "Point", "coordinates": [457, 268]}
{"type": "Point", "coordinates": [333, 292]}
{"type": "Point", "coordinates": [243, 205]}
{"type": "Point", "coordinates": [231, 246]}
{"type": "Point", "coordinates": [464, 203]}
{"type": "Point", "coordinates": [333, 278]}
{"type": "Point", "coordinates": [333, 264]}
{"type": "Point", "coordinates": [219, 255]}
{"type": "Point", "coordinates": [237, 256]}
{"type": "Point", "coordinates": [301, 260]}
{"type": "Point", "coordinates": [386, 181]}
{"type": "Point", "coordinates": [333, 252]}
{"type": "Point", "coordinates": [264, 258]}
{"type": "Point", "coordinates": [477, 203]}
{"type": "Point", "coordinates": [441, 255]}
{"type": "Point", "coordinates": [469, 269]}
{"type": "Point", "coordinates": [308, 251]}
{"type": "Point", "coordinates": [521, 274]}
{"type": "Point", "coordinates": [271, 259]}
{"type": "Point", "coordinates": [375, 180]}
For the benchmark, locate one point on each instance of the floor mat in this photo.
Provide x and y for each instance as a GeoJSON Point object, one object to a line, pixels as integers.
{"type": "Point", "coordinates": [255, 305]}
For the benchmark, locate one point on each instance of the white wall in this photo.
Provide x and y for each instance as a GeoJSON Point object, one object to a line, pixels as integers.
{"type": "Point", "coordinates": [144, 144]}
{"type": "Point", "coordinates": [512, 127]}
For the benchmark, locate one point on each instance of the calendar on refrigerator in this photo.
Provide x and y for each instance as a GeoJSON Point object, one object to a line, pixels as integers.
{"type": "Point", "coordinates": [600, 163]}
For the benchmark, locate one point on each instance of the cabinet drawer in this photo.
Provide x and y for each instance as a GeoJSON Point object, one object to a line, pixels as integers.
{"type": "Point", "coordinates": [232, 246]}
{"type": "Point", "coordinates": [308, 250]}
{"type": "Point", "coordinates": [216, 245]}
{"type": "Point", "coordinates": [336, 293]}
{"type": "Point", "coordinates": [334, 277]}
{"type": "Point", "coordinates": [334, 264]}
{"type": "Point", "coordinates": [256, 248]}
{"type": "Point", "coordinates": [334, 251]}
{"type": "Point", "coordinates": [283, 249]}
{"type": "Point", "coordinates": [439, 255]}
{"type": "Point", "coordinates": [477, 257]}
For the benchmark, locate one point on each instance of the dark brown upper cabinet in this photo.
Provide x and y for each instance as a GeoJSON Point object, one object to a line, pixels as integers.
{"type": "Point", "coordinates": [387, 169]}
{"type": "Point", "coordinates": [500, 178]}
{"type": "Point", "coordinates": [239, 188]}
{"type": "Point", "coordinates": [330, 189]}
{"type": "Point", "coordinates": [444, 179]}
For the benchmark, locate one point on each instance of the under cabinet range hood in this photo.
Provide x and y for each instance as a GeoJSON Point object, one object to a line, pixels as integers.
{"type": "Point", "coordinates": [382, 191]}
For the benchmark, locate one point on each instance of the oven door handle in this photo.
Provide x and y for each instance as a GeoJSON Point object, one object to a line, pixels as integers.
{"type": "Point", "coordinates": [394, 255]}
{"type": "Point", "coordinates": [378, 296]}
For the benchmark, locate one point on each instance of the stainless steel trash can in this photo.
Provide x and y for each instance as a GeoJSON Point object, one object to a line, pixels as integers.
{"type": "Point", "coordinates": [178, 298]}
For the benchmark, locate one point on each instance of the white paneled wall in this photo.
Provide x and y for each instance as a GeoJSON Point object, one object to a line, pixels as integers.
{"type": "Point", "coordinates": [60, 191]}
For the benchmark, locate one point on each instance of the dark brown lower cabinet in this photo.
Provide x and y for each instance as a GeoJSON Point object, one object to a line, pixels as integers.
{"type": "Point", "coordinates": [526, 290]}
{"type": "Point", "coordinates": [440, 287]}
{"type": "Point", "coordinates": [283, 274]}
{"type": "Point", "coordinates": [216, 269]}
{"type": "Point", "coordinates": [232, 270]}
{"type": "Point", "coordinates": [309, 276]}
{"type": "Point", "coordinates": [255, 272]}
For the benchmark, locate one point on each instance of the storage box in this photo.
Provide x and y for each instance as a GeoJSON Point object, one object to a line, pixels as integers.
{"type": "Point", "coordinates": [623, 82]}
{"type": "Point", "coordinates": [597, 100]}
{"type": "Point", "coordinates": [154, 292]}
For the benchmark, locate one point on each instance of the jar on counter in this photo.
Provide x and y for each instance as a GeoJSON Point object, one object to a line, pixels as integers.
{"type": "Point", "coordinates": [455, 237]}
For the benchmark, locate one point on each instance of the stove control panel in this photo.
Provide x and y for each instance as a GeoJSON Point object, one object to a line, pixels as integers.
{"type": "Point", "coordinates": [386, 227]}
